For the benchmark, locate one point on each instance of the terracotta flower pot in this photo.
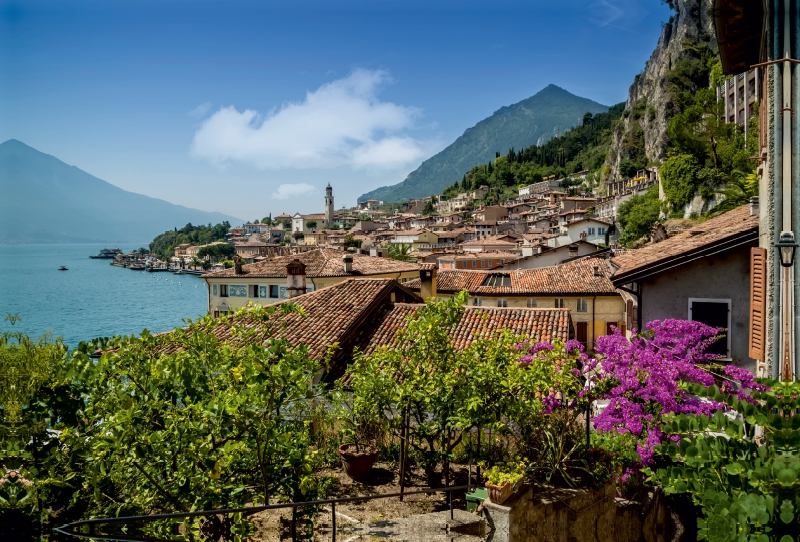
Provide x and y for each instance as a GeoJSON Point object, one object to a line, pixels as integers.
{"type": "Point", "coordinates": [499, 494]}
{"type": "Point", "coordinates": [357, 465]}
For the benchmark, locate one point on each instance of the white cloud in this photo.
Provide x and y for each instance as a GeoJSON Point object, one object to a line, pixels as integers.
{"type": "Point", "coordinates": [286, 191]}
{"type": "Point", "coordinates": [200, 111]}
{"type": "Point", "coordinates": [341, 123]}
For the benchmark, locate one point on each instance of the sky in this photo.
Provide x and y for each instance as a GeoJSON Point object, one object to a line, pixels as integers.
{"type": "Point", "coordinates": [252, 107]}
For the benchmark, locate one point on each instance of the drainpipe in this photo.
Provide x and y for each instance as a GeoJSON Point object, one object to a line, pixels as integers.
{"type": "Point", "coordinates": [785, 366]}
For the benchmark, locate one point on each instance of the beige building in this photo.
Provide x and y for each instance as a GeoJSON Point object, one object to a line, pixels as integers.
{"type": "Point", "coordinates": [266, 282]}
{"type": "Point", "coordinates": [583, 286]}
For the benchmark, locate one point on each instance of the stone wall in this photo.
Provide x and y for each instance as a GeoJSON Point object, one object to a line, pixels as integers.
{"type": "Point", "coordinates": [578, 515]}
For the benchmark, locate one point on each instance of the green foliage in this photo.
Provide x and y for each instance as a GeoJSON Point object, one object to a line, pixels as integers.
{"type": "Point", "coordinates": [560, 450]}
{"type": "Point", "coordinates": [40, 396]}
{"type": "Point", "coordinates": [737, 192]}
{"type": "Point", "coordinates": [637, 216]}
{"type": "Point", "coordinates": [679, 179]}
{"type": "Point", "coordinates": [311, 224]}
{"type": "Point", "coordinates": [747, 487]}
{"type": "Point", "coordinates": [182, 421]}
{"type": "Point", "coordinates": [440, 388]}
{"type": "Point", "coordinates": [510, 472]}
{"type": "Point", "coordinates": [164, 244]}
{"type": "Point", "coordinates": [217, 252]}
{"type": "Point", "coordinates": [401, 252]}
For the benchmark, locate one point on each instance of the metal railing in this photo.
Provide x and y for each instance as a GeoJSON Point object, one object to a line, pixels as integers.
{"type": "Point", "coordinates": [69, 529]}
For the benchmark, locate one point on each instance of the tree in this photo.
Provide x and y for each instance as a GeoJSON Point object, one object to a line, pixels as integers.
{"type": "Point", "coordinates": [680, 179]}
{"type": "Point", "coordinates": [217, 252]}
{"type": "Point", "coordinates": [736, 193]}
{"type": "Point", "coordinates": [311, 224]}
{"type": "Point", "coordinates": [185, 421]}
{"type": "Point", "coordinates": [637, 216]}
{"type": "Point", "coordinates": [401, 252]}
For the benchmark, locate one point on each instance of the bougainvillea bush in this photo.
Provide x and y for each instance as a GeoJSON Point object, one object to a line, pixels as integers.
{"type": "Point", "coordinates": [648, 376]}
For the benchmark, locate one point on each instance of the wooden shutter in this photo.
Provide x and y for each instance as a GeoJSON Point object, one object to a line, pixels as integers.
{"type": "Point", "coordinates": [582, 329]}
{"type": "Point", "coordinates": [758, 301]}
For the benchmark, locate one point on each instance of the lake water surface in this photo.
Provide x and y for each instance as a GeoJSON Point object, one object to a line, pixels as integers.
{"type": "Point", "coordinates": [92, 299]}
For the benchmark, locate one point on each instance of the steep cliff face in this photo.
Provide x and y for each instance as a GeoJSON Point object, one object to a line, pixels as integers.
{"type": "Point", "coordinates": [641, 136]}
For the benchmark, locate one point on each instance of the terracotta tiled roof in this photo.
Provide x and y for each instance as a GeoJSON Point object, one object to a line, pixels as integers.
{"type": "Point", "coordinates": [477, 322]}
{"type": "Point", "coordinates": [489, 241]}
{"type": "Point", "coordinates": [485, 255]}
{"type": "Point", "coordinates": [721, 229]}
{"type": "Point", "coordinates": [573, 278]}
{"type": "Point", "coordinates": [367, 313]}
{"type": "Point", "coordinates": [320, 262]}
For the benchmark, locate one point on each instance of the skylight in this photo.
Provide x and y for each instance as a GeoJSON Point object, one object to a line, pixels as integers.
{"type": "Point", "coordinates": [497, 280]}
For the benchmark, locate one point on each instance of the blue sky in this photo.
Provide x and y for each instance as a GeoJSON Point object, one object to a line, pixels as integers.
{"type": "Point", "coordinates": [252, 107]}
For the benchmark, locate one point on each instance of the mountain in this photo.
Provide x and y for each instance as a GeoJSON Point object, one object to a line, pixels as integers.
{"type": "Point", "coordinates": [535, 120]}
{"type": "Point", "coordinates": [45, 200]}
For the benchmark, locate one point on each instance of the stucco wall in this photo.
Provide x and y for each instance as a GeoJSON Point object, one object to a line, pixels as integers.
{"type": "Point", "coordinates": [723, 276]}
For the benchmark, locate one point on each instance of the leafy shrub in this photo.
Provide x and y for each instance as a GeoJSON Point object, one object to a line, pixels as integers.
{"type": "Point", "coordinates": [637, 216]}
{"type": "Point", "coordinates": [680, 179]}
{"type": "Point", "coordinates": [747, 488]}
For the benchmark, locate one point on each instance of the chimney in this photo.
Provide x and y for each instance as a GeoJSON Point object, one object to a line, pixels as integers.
{"type": "Point", "coordinates": [347, 260]}
{"type": "Point", "coordinates": [427, 283]}
{"type": "Point", "coordinates": [754, 206]}
{"type": "Point", "coordinates": [597, 272]}
{"type": "Point", "coordinates": [295, 279]}
{"type": "Point", "coordinates": [237, 265]}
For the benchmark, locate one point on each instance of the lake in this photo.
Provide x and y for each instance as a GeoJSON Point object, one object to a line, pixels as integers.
{"type": "Point", "coordinates": [92, 299]}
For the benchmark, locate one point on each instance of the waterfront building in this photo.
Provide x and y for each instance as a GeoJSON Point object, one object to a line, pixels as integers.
{"type": "Point", "coordinates": [265, 282]}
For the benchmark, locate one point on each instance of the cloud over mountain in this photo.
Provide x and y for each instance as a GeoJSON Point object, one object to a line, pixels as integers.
{"type": "Point", "coordinates": [342, 123]}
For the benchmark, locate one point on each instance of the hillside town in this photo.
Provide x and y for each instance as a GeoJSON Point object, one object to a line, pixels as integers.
{"type": "Point", "coordinates": [591, 339]}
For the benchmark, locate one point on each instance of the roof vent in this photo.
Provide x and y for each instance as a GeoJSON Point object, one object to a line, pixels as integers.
{"type": "Point", "coordinates": [597, 271]}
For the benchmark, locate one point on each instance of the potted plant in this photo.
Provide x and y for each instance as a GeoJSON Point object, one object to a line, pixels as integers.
{"type": "Point", "coordinates": [361, 433]}
{"type": "Point", "coordinates": [504, 479]}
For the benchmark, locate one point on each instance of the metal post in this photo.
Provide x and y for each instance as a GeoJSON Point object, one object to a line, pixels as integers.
{"type": "Point", "coordinates": [450, 497]}
{"type": "Point", "coordinates": [333, 522]}
{"type": "Point", "coordinates": [294, 523]}
{"type": "Point", "coordinates": [588, 431]}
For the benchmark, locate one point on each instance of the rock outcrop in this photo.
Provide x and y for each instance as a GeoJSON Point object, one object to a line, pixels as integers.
{"type": "Point", "coordinates": [642, 132]}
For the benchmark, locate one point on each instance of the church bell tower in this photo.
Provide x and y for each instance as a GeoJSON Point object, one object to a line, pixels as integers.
{"type": "Point", "coordinates": [329, 206]}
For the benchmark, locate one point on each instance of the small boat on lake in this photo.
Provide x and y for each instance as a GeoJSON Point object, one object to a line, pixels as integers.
{"type": "Point", "coordinates": [62, 268]}
{"type": "Point", "coordinates": [179, 272]}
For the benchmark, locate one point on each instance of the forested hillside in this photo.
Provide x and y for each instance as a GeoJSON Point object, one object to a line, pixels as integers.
{"type": "Point", "coordinates": [164, 244]}
{"type": "Point", "coordinates": [585, 147]}
{"type": "Point", "coordinates": [548, 113]}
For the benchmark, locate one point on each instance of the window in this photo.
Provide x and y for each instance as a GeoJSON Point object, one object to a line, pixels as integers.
{"type": "Point", "coordinates": [502, 302]}
{"type": "Point", "coordinates": [531, 304]}
{"type": "Point", "coordinates": [214, 289]}
{"type": "Point", "coordinates": [591, 231]}
{"type": "Point", "coordinates": [273, 291]}
{"type": "Point", "coordinates": [483, 263]}
{"type": "Point", "coordinates": [477, 301]}
{"type": "Point", "coordinates": [223, 290]}
{"type": "Point", "coordinates": [601, 231]}
{"type": "Point", "coordinates": [560, 303]}
{"type": "Point", "coordinates": [715, 313]}
{"type": "Point", "coordinates": [474, 263]}
{"type": "Point", "coordinates": [252, 290]}
{"type": "Point", "coordinates": [497, 281]}
{"type": "Point", "coordinates": [582, 305]}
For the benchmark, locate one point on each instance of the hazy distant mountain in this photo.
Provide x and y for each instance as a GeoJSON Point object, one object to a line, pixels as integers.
{"type": "Point", "coordinates": [535, 120]}
{"type": "Point", "coordinates": [44, 200]}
